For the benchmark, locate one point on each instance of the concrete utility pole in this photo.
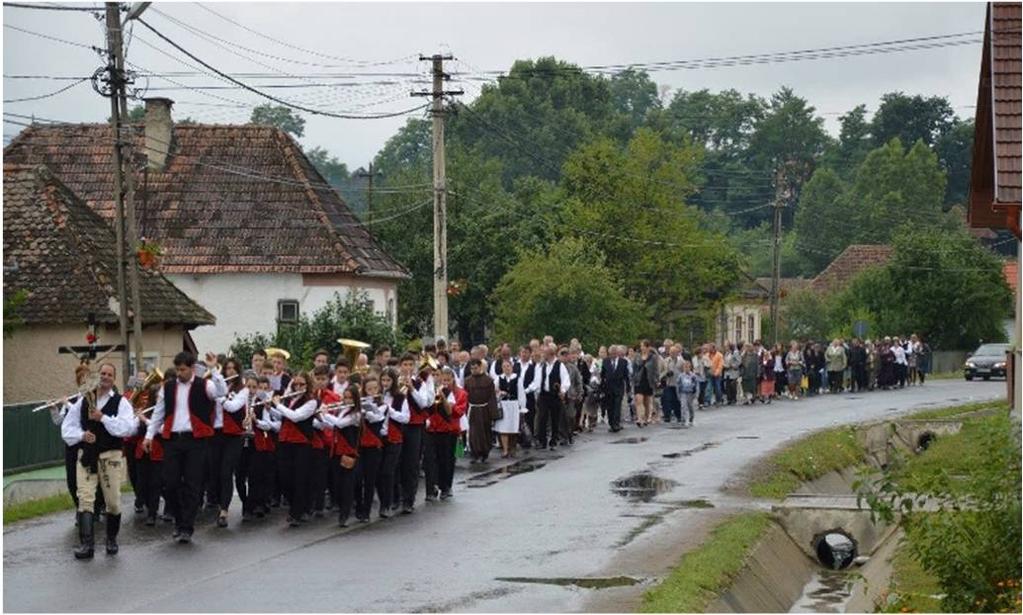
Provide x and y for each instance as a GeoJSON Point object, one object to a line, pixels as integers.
{"type": "Point", "coordinates": [369, 175]}
{"type": "Point", "coordinates": [116, 77]}
{"type": "Point", "coordinates": [779, 204]}
{"type": "Point", "coordinates": [440, 239]}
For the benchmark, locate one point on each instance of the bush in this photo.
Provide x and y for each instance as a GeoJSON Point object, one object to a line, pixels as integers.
{"type": "Point", "coordinates": [352, 317]}
{"type": "Point", "coordinates": [972, 543]}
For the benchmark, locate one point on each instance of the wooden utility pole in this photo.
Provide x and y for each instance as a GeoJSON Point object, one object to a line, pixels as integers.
{"type": "Point", "coordinates": [116, 77]}
{"type": "Point", "coordinates": [780, 198]}
{"type": "Point", "coordinates": [369, 175]}
{"type": "Point", "coordinates": [440, 239]}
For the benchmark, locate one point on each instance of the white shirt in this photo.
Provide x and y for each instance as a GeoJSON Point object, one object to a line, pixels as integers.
{"type": "Point", "coordinates": [424, 395]}
{"type": "Point", "coordinates": [900, 354]}
{"type": "Point", "coordinates": [296, 415]}
{"type": "Point", "coordinates": [121, 425]}
{"type": "Point", "coordinates": [339, 387]}
{"type": "Point", "coordinates": [400, 415]}
{"type": "Point", "coordinates": [215, 387]}
{"type": "Point", "coordinates": [545, 386]}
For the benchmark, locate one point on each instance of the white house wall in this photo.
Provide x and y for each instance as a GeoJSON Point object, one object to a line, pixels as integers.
{"type": "Point", "coordinates": [246, 303]}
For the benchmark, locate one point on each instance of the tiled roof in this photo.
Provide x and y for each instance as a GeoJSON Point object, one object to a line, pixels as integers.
{"type": "Point", "coordinates": [848, 264]}
{"type": "Point", "coordinates": [787, 285]}
{"type": "Point", "coordinates": [232, 198]}
{"type": "Point", "coordinates": [63, 255]}
{"type": "Point", "coordinates": [1007, 99]}
{"type": "Point", "coordinates": [1010, 269]}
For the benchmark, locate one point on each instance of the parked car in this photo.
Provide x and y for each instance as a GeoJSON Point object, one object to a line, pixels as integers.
{"type": "Point", "coordinates": [986, 361]}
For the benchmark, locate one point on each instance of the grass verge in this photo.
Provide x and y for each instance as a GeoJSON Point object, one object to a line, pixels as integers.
{"type": "Point", "coordinates": [706, 571]}
{"type": "Point", "coordinates": [806, 459]}
{"type": "Point", "coordinates": [37, 508]}
{"type": "Point", "coordinates": [912, 589]}
{"type": "Point", "coordinates": [944, 413]}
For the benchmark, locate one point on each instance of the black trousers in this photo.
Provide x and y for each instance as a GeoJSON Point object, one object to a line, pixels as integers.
{"type": "Point", "coordinates": [241, 473]}
{"type": "Point", "coordinates": [150, 484]}
{"type": "Point", "coordinates": [366, 471]}
{"type": "Point", "coordinates": [261, 477]}
{"type": "Point", "coordinates": [211, 483]}
{"type": "Point", "coordinates": [548, 415]}
{"type": "Point", "coordinates": [430, 469]}
{"type": "Point", "coordinates": [333, 467]}
{"type": "Point", "coordinates": [613, 407]}
{"type": "Point", "coordinates": [230, 453]}
{"type": "Point", "coordinates": [294, 461]}
{"type": "Point", "coordinates": [71, 471]}
{"type": "Point", "coordinates": [835, 381]}
{"type": "Point", "coordinates": [731, 390]}
{"type": "Point", "coordinates": [443, 447]}
{"type": "Point", "coordinates": [411, 456]}
{"type": "Point", "coordinates": [184, 465]}
{"type": "Point", "coordinates": [526, 438]}
{"type": "Point", "coordinates": [386, 476]}
{"type": "Point", "coordinates": [859, 377]}
{"type": "Point", "coordinates": [345, 490]}
{"type": "Point", "coordinates": [318, 479]}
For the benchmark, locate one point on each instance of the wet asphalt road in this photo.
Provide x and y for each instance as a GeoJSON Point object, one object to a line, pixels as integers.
{"type": "Point", "coordinates": [559, 518]}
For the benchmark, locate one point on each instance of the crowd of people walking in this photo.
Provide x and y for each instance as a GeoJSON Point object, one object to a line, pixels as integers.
{"type": "Point", "coordinates": [359, 432]}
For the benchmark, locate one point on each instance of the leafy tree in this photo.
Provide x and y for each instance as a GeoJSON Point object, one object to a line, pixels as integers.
{"type": "Point", "coordinates": [12, 303]}
{"type": "Point", "coordinates": [279, 116]}
{"type": "Point", "coordinates": [664, 258]}
{"type": "Point", "coordinates": [333, 170]}
{"type": "Point", "coordinates": [911, 119]}
{"type": "Point", "coordinates": [940, 283]}
{"type": "Point", "coordinates": [893, 188]}
{"type": "Point", "coordinates": [955, 152]}
{"type": "Point", "coordinates": [804, 316]}
{"type": "Point", "coordinates": [566, 292]}
{"type": "Point", "coordinates": [352, 317]}
{"type": "Point", "coordinates": [853, 145]}
{"type": "Point", "coordinates": [410, 149]}
{"type": "Point", "coordinates": [633, 96]}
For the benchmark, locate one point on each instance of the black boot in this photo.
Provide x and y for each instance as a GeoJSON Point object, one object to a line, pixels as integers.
{"type": "Point", "coordinates": [85, 534]}
{"type": "Point", "coordinates": [113, 527]}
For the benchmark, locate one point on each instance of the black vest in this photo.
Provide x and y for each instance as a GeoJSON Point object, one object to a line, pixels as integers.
{"type": "Point", "coordinates": [554, 373]}
{"type": "Point", "coordinates": [104, 441]}
{"type": "Point", "coordinates": [199, 405]}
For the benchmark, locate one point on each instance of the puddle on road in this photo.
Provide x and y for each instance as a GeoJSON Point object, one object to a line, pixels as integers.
{"type": "Point", "coordinates": [584, 582]}
{"type": "Point", "coordinates": [747, 437]}
{"type": "Point", "coordinates": [523, 466]}
{"type": "Point", "coordinates": [642, 487]}
{"type": "Point", "coordinates": [628, 441]}
{"type": "Point", "coordinates": [692, 451]}
{"type": "Point", "coordinates": [701, 503]}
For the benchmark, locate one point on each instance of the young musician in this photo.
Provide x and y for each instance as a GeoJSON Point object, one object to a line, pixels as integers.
{"type": "Point", "coordinates": [294, 449]}
{"type": "Point", "coordinates": [442, 432]}
{"type": "Point", "coordinates": [371, 447]}
{"type": "Point", "coordinates": [258, 359]}
{"type": "Point", "coordinates": [148, 464]}
{"type": "Point", "coordinates": [398, 415]}
{"type": "Point", "coordinates": [323, 437]}
{"type": "Point", "coordinates": [228, 441]}
{"type": "Point", "coordinates": [280, 380]}
{"type": "Point", "coordinates": [57, 413]}
{"type": "Point", "coordinates": [341, 372]}
{"type": "Point", "coordinates": [99, 421]}
{"type": "Point", "coordinates": [245, 458]}
{"type": "Point", "coordinates": [346, 423]}
{"type": "Point", "coordinates": [264, 444]}
{"type": "Point", "coordinates": [420, 393]}
{"type": "Point", "coordinates": [184, 417]}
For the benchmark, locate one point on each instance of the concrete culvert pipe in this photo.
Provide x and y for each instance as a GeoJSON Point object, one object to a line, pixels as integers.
{"type": "Point", "coordinates": [835, 549]}
{"type": "Point", "coordinates": [924, 441]}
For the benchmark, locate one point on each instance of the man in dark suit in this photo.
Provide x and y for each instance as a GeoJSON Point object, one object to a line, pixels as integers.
{"type": "Point", "coordinates": [614, 374]}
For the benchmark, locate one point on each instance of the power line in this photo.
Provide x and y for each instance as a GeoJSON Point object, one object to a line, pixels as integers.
{"type": "Point", "coordinates": [54, 38]}
{"type": "Point", "coordinates": [42, 96]}
{"type": "Point", "coordinates": [53, 7]}
{"type": "Point", "coordinates": [272, 97]}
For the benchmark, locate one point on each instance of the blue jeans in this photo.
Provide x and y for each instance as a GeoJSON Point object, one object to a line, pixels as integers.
{"type": "Point", "coordinates": [670, 405]}
{"type": "Point", "coordinates": [715, 383]}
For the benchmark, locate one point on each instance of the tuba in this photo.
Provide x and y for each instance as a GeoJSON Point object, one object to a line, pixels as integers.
{"type": "Point", "coordinates": [351, 349]}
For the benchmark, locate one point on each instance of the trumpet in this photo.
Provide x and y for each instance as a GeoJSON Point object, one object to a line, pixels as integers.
{"type": "Point", "coordinates": [90, 384]}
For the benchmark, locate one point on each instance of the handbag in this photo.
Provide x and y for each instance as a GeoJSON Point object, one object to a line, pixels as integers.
{"type": "Point", "coordinates": [497, 413]}
{"type": "Point", "coordinates": [348, 462]}
{"type": "Point", "coordinates": [806, 382]}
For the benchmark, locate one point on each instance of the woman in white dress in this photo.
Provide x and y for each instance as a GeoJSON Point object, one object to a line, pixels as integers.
{"type": "Point", "coordinates": [507, 427]}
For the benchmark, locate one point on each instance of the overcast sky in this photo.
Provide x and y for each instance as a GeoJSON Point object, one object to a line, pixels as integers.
{"type": "Point", "coordinates": [485, 37]}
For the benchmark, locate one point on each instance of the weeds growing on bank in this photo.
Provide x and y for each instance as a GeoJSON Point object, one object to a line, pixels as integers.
{"type": "Point", "coordinates": [37, 508]}
{"type": "Point", "coordinates": [807, 459]}
{"type": "Point", "coordinates": [706, 571]}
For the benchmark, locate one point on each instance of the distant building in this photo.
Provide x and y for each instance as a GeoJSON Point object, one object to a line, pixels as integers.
{"type": "Point", "coordinates": [62, 256]}
{"type": "Point", "coordinates": [248, 227]}
{"type": "Point", "coordinates": [854, 260]}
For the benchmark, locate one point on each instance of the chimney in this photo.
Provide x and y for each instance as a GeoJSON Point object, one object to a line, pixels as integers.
{"type": "Point", "coordinates": [159, 131]}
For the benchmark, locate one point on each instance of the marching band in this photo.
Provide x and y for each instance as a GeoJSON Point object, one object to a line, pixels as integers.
{"type": "Point", "coordinates": [334, 438]}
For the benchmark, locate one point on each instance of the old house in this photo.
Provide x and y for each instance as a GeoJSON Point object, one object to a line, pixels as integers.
{"type": "Point", "coordinates": [851, 262]}
{"type": "Point", "coordinates": [248, 227]}
{"type": "Point", "coordinates": [60, 257]}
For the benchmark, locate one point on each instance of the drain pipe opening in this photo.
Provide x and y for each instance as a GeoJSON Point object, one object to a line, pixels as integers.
{"type": "Point", "coordinates": [924, 441]}
{"type": "Point", "coordinates": [835, 549]}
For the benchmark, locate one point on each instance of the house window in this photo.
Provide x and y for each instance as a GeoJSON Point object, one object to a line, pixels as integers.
{"type": "Point", "coordinates": [287, 311]}
{"type": "Point", "coordinates": [752, 328]}
{"type": "Point", "coordinates": [390, 312]}
{"type": "Point", "coordinates": [737, 333]}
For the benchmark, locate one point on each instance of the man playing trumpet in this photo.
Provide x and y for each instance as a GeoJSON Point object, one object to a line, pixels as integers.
{"type": "Point", "coordinates": [99, 421]}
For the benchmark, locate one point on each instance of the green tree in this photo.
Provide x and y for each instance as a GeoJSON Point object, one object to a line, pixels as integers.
{"type": "Point", "coordinates": [632, 201]}
{"type": "Point", "coordinates": [633, 96]}
{"type": "Point", "coordinates": [333, 170]}
{"type": "Point", "coordinates": [279, 116]}
{"type": "Point", "coordinates": [566, 292]}
{"type": "Point", "coordinates": [955, 152]}
{"type": "Point", "coordinates": [804, 316]}
{"type": "Point", "coordinates": [351, 317]}
{"type": "Point", "coordinates": [12, 304]}
{"type": "Point", "coordinates": [853, 145]}
{"type": "Point", "coordinates": [911, 119]}
{"type": "Point", "coordinates": [821, 220]}
{"type": "Point", "coordinates": [409, 150]}
{"type": "Point", "coordinates": [939, 282]}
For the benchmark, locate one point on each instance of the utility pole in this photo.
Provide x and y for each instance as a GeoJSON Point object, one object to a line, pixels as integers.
{"type": "Point", "coordinates": [440, 239]}
{"type": "Point", "coordinates": [369, 175]}
{"type": "Point", "coordinates": [116, 82]}
{"type": "Point", "coordinates": [780, 198]}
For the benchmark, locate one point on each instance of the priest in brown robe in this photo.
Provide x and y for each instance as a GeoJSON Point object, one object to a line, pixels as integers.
{"type": "Point", "coordinates": [483, 410]}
